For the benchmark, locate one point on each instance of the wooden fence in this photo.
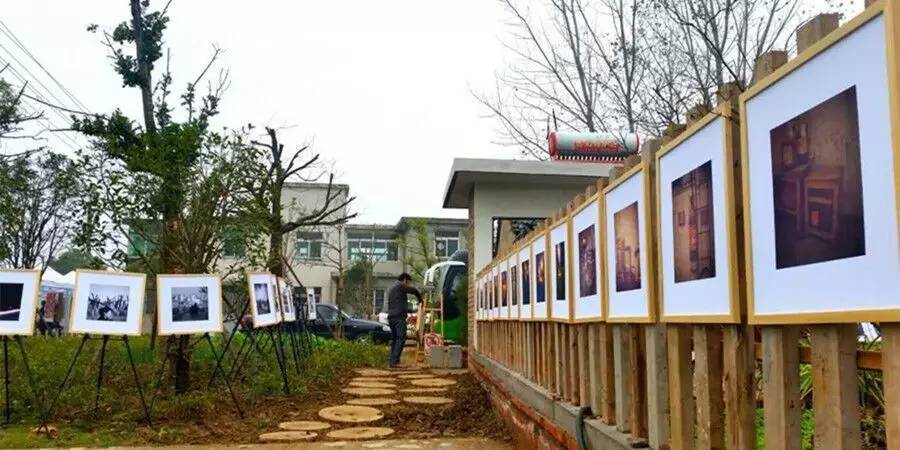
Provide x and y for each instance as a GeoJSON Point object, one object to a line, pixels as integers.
{"type": "Point", "coordinates": [684, 386]}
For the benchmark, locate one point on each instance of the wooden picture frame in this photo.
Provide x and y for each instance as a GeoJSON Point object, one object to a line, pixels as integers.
{"type": "Point", "coordinates": [261, 320]}
{"type": "Point", "coordinates": [577, 303]}
{"type": "Point", "coordinates": [560, 310]}
{"type": "Point", "coordinates": [870, 42]}
{"type": "Point", "coordinates": [727, 122]}
{"type": "Point", "coordinates": [214, 324]}
{"type": "Point", "coordinates": [526, 312]}
{"type": "Point", "coordinates": [79, 326]}
{"type": "Point", "coordinates": [26, 322]}
{"type": "Point", "coordinates": [540, 257]}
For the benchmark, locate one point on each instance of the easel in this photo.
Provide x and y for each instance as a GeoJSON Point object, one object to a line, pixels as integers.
{"type": "Point", "coordinates": [217, 370]}
{"type": "Point", "coordinates": [241, 358]}
{"type": "Point", "coordinates": [137, 380]}
{"type": "Point", "coordinates": [7, 415]}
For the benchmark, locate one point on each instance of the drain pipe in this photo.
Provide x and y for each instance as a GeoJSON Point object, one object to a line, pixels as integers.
{"type": "Point", "coordinates": [583, 412]}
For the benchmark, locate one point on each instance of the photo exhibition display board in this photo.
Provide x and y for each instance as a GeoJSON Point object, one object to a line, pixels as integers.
{"type": "Point", "coordinates": [628, 281]}
{"type": "Point", "coordinates": [107, 303]}
{"type": "Point", "coordinates": [263, 299]}
{"type": "Point", "coordinates": [540, 309]}
{"type": "Point", "coordinates": [311, 304]}
{"type": "Point", "coordinates": [525, 283]}
{"type": "Point", "coordinates": [586, 262]}
{"type": "Point", "coordinates": [697, 224]}
{"type": "Point", "coordinates": [820, 162]}
{"type": "Point", "coordinates": [559, 274]}
{"type": "Point", "coordinates": [503, 311]}
{"type": "Point", "coordinates": [514, 304]}
{"type": "Point", "coordinates": [19, 292]}
{"type": "Point", "coordinates": [189, 304]}
{"type": "Point", "coordinates": [288, 311]}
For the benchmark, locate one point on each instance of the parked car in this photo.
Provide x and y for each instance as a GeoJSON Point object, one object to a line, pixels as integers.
{"type": "Point", "coordinates": [356, 329]}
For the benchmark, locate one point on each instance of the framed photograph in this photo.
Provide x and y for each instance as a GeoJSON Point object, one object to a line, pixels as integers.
{"type": "Point", "coordinates": [697, 229]}
{"type": "Point", "coordinates": [560, 309]}
{"type": "Point", "coordinates": [540, 310]}
{"type": "Point", "coordinates": [495, 293]}
{"type": "Point", "coordinates": [311, 304]}
{"type": "Point", "coordinates": [264, 303]}
{"type": "Point", "coordinates": [628, 278]}
{"type": "Point", "coordinates": [525, 283]}
{"type": "Point", "coordinates": [189, 304]}
{"type": "Point", "coordinates": [286, 297]}
{"type": "Point", "coordinates": [504, 290]}
{"type": "Point", "coordinates": [108, 303]}
{"type": "Point", "coordinates": [19, 293]}
{"type": "Point", "coordinates": [587, 305]}
{"type": "Point", "coordinates": [820, 160]}
{"type": "Point", "coordinates": [513, 264]}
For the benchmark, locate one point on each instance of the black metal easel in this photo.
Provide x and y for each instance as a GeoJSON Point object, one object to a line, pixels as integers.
{"type": "Point", "coordinates": [7, 412]}
{"type": "Point", "coordinates": [137, 380]}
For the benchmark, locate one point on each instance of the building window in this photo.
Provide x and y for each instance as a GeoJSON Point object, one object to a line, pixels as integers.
{"type": "Point", "coordinates": [376, 247]}
{"type": "Point", "coordinates": [445, 243]}
{"type": "Point", "coordinates": [378, 305]}
{"type": "Point", "coordinates": [308, 246]}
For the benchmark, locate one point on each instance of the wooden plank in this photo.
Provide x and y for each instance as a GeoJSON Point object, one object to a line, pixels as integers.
{"type": "Point", "coordinates": [890, 336]}
{"type": "Point", "coordinates": [739, 367]}
{"type": "Point", "coordinates": [681, 399]}
{"type": "Point", "coordinates": [621, 349]}
{"type": "Point", "coordinates": [594, 369]}
{"type": "Point", "coordinates": [607, 375]}
{"type": "Point", "coordinates": [657, 386]}
{"type": "Point", "coordinates": [557, 362]}
{"type": "Point", "coordinates": [708, 386]}
{"type": "Point", "coordinates": [574, 365]}
{"type": "Point", "coordinates": [781, 387]}
{"type": "Point", "coordinates": [835, 386]}
{"type": "Point", "coordinates": [584, 375]}
{"type": "Point", "coordinates": [637, 376]}
{"type": "Point", "coordinates": [566, 343]}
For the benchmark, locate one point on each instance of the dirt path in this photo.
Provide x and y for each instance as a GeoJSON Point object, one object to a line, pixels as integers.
{"type": "Point", "coordinates": [425, 444]}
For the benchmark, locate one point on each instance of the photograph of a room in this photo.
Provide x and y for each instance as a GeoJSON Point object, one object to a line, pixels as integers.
{"type": "Point", "coordinates": [628, 250]}
{"type": "Point", "coordinates": [504, 290]}
{"type": "Point", "coordinates": [817, 184]}
{"type": "Point", "coordinates": [692, 225]}
{"type": "Point", "coordinates": [514, 285]}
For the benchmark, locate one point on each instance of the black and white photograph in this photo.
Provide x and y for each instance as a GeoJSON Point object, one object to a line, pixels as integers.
{"type": "Point", "coordinates": [287, 301]}
{"type": "Point", "coordinates": [18, 296]}
{"type": "Point", "coordinates": [107, 303]}
{"type": "Point", "coordinates": [264, 299]}
{"type": "Point", "coordinates": [190, 304]}
{"type": "Point", "coordinates": [261, 294]}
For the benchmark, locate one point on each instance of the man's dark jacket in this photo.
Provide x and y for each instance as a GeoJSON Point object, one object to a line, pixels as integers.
{"type": "Point", "coordinates": [397, 300]}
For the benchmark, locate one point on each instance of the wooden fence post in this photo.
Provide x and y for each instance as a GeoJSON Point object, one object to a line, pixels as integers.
{"type": "Point", "coordinates": [781, 387]}
{"type": "Point", "coordinates": [835, 387]}
{"type": "Point", "coordinates": [621, 349]}
{"type": "Point", "coordinates": [708, 386]}
{"type": "Point", "coordinates": [657, 387]}
{"type": "Point", "coordinates": [890, 366]}
{"type": "Point", "coordinates": [740, 387]}
{"type": "Point", "coordinates": [681, 399]}
{"type": "Point", "coordinates": [637, 365]}
{"type": "Point", "coordinates": [584, 375]}
{"type": "Point", "coordinates": [607, 374]}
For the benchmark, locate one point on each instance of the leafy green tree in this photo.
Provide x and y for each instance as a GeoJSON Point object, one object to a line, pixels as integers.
{"type": "Point", "coordinates": [418, 252]}
{"type": "Point", "coordinates": [74, 258]}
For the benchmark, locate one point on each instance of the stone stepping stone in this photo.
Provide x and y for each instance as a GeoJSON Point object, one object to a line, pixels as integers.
{"type": "Point", "coordinates": [350, 414]}
{"type": "Point", "coordinates": [434, 382]}
{"type": "Point", "coordinates": [372, 384]}
{"type": "Point", "coordinates": [361, 433]}
{"type": "Point", "coordinates": [428, 400]}
{"type": "Point", "coordinates": [372, 401]}
{"type": "Point", "coordinates": [304, 425]}
{"type": "Point", "coordinates": [423, 390]}
{"type": "Point", "coordinates": [373, 379]}
{"type": "Point", "coordinates": [373, 372]}
{"type": "Point", "coordinates": [416, 376]}
{"type": "Point", "coordinates": [361, 391]}
{"type": "Point", "coordinates": [287, 436]}
{"type": "Point", "coordinates": [445, 372]}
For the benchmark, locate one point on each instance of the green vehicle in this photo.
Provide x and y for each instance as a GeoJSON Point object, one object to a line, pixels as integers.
{"type": "Point", "coordinates": [448, 280]}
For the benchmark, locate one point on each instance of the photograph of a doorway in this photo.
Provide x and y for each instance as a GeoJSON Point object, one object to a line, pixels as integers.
{"type": "Point", "coordinates": [628, 250]}
{"type": "Point", "coordinates": [817, 184]}
{"type": "Point", "coordinates": [692, 223]}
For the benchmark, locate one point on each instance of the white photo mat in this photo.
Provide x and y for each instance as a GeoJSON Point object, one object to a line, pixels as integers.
{"type": "Point", "coordinates": [705, 296]}
{"type": "Point", "coordinates": [525, 279]}
{"type": "Point", "coordinates": [861, 283]}
{"type": "Point", "coordinates": [585, 224]}
{"type": "Point", "coordinates": [560, 308]}
{"type": "Point", "coordinates": [111, 287]}
{"type": "Point", "coordinates": [262, 317]}
{"type": "Point", "coordinates": [540, 306]}
{"type": "Point", "coordinates": [22, 287]}
{"type": "Point", "coordinates": [629, 304]}
{"type": "Point", "coordinates": [514, 293]}
{"type": "Point", "coordinates": [495, 291]}
{"type": "Point", "coordinates": [169, 285]}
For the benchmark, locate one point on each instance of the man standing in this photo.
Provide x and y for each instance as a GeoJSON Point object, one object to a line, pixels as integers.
{"type": "Point", "coordinates": [397, 313]}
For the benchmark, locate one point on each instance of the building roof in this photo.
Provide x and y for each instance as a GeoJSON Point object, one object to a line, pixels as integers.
{"type": "Point", "coordinates": [466, 172]}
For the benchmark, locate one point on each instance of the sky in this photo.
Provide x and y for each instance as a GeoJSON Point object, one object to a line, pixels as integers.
{"type": "Point", "coordinates": [382, 88]}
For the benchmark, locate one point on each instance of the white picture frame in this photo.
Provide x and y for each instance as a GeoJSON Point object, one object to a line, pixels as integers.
{"type": "Point", "coordinates": [586, 258]}
{"type": "Point", "coordinates": [514, 293]}
{"type": "Point", "coordinates": [189, 304]}
{"type": "Point", "coordinates": [107, 303]}
{"type": "Point", "coordinates": [19, 296]}
{"type": "Point", "coordinates": [540, 309]}
{"type": "Point", "coordinates": [526, 284]}
{"type": "Point", "coordinates": [628, 290]}
{"type": "Point", "coordinates": [503, 289]}
{"type": "Point", "coordinates": [560, 273]}
{"type": "Point", "coordinates": [286, 297]}
{"type": "Point", "coordinates": [264, 303]}
{"type": "Point", "coordinates": [697, 224]}
{"type": "Point", "coordinates": [852, 277]}
{"type": "Point", "coordinates": [311, 304]}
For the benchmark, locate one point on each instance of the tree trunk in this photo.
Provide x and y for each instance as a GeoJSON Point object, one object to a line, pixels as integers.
{"type": "Point", "coordinates": [137, 24]}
